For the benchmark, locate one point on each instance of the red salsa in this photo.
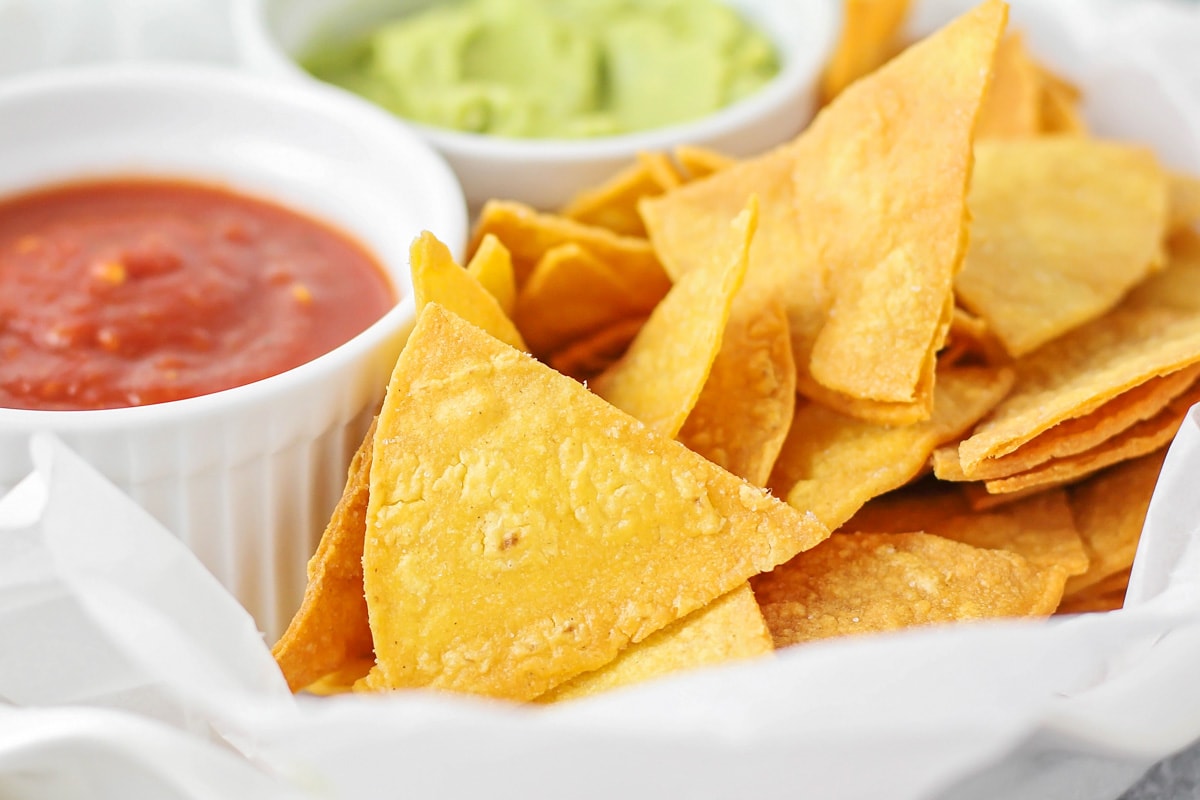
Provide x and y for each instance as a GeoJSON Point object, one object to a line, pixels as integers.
{"type": "Point", "coordinates": [133, 292]}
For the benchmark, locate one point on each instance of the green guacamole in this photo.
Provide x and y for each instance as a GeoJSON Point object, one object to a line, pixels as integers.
{"type": "Point", "coordinates": [554, 68]}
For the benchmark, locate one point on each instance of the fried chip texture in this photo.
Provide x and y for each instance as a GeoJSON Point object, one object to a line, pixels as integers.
{"type": "Point", "coordinates": [833, 464]}
{"type": "Point", "coordinates": [745, 410]}
{"type": "Point", "coordinates": [1062, 228]}
{"type": "Point", "coordinates": [571, 294]}
{"type": "Point", "coordinates": [1154, 331]}
{"type": "Point", "coordinates": [727, 629]}
{"type": "Point", "coordinates": [491, 265]}
{"type": "Point", "coordinates": [873, 582]}
{"type": "Point", "coordinates": [1110, 509]}
{"type": "Point", "coordinates": [881, 180]}
{"type": "Point", "coordinates": [661, 375]}
{"type": "Point", "coordinates": [437, 279]}
{"type": "Point", "coordinates": [330, 631]}
{"type": "Point", "coordinates": [1012, 108]}
{"type": "Point", "coordinates": [522, 531]}
{"type": "Point", "coordinates": [528, 234]}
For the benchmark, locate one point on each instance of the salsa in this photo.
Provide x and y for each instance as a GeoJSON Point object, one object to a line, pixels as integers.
{"type": "Point", "coordinates": [132, 292]}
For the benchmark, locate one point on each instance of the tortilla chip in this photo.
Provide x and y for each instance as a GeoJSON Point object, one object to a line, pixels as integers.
{"type": "Point", "coordinates": [874, 582]}
{"type": "Point", "coordinates": [1012, 108]}
{"type": "Point", "coordinates": [492, 267]}
{"type": "Point", "coordinates": [832, 464]}
{"type": "Point", "coordinates": [661, 375]}
{"type": "Point", "coordinates": [587, 358]}
{"type": "Point", "coordinates": [538, 530]}
{"type": "Point", "coordinates": [1183, 206]}
{"type": "Point", "coordinates": [1107, 595]}
{"type": "Point", "coordinates": [745, 409]}
{"type": "Point", "coordinates": [700, 162]}
{"type": "Point", "coordinates": [528, 235]}
{"type": "Point", "coordinates": [1062, 228]}
{"type": "Point", "coordinates": [1110, 509]}
{"type": "Point", "coordinates": [613, 204]}
{"type": "Point", "coordinates": [1080, 434]}
{"type": "Point", "coordinates": [342, 680]}
{"type": "Point", "coordinates": [1040, 528]}
{"type": "Point", "coordinates": [1154, 331]}
{"type": "Point", "coordinates": [571, 295]}
{"type": "Point", "coordinates": [1142, 438]}
{"type": "Point", "coordinates": [890, 133]}
{"type": "Point", "coordinates": [437, 279]}
{"type": "Point", "coordinates": [970, 342]}
{"type": "Point", "coordinates": [881, 179]}
{"type": "Point", "coordinates": [330, 629]}
{"type": "Point", "coordinates": [870, 36]}
{"type": "Point", "coordinates": [914, 507]}
{"type": "Point", "coordinates": [729, 628]}
{"type": "Point", "coordinates": [1060, 113]}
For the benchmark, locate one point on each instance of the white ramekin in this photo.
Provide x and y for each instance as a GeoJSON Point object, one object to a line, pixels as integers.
{"type": "Point", "coordinates": [546, 173]}
{"type": "Point", "coordinates": [246, 477]}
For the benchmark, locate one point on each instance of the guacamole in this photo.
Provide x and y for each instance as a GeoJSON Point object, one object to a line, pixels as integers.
{"type": "Point", "coordinates": [553, 68]}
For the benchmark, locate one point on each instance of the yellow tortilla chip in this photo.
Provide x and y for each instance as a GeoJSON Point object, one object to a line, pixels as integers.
{"type": "Point", "coordinates": [870, 36]}
{"type": "Point", "coordinates": [881, 178]}
{"type": "Point", "coordinates": [437, 279]}
{"type": "Point", "coordinates": [1107, 595]}
{"type": "Point", "coordinates": [1012, 108]}
{"type": "Point", "coordinates": [571, 295]}
{"type": "Point", "coordinates": [1080, 434]}
{"type": "Point", "coordinates": [528, 235]}
{"type": "Point", "coordinates": [665, 368]}
{"type": "Point", "coordinates": [1060, 113]}
{"type": "Point", "coordinates": [1154, 331]}
{"type": "Point", "coordinates": [330, 630]}
{"type": "Point", "coordinates": [613, 204]}
{"type": "Point", "coordinates": [342, 680]}
{"type": "Point", "coordinates": [1039, 528]}
{"type": "Point", "coordinates": [700, 162]}
{"type": "Point", "coordinates": [971, 342]}
{"type": "Point", "coordinates": [1140, 439]}
{"type": "Point", "coordinates": [587, 358]}
{"type": "Point", "coordinates": [1184, 203]}
{"type": "Point", "coordinates": [492, 267]}
{"type": "Point", "coordinates": [914, 507]}
{"type": "Point", "coordinates": [1110, 509]}
{"type": "Point", "coordinates": [522, 531]}
{"type": "Point", "coordinates": [729, 628]}
{"type": "Point", "coordinates": [833, 464]}
{"type": "Point", "coordinates": [830, 221]}
{"type": "Point", "coordinates": [1062, 228]}
{"type": "Point", "coordinates": [873, 582]}
{"type": "Point", "coordinates": [745, 409]}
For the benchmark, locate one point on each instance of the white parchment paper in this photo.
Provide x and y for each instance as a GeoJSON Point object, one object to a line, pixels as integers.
{"type": "Point", "coordinates": [127, 671]}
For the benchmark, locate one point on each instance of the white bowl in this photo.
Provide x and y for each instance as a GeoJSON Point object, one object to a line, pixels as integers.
{"type": "Point", "coordinates": [246, 477]}
{"type": "Point", "coordinates": [546, 173]}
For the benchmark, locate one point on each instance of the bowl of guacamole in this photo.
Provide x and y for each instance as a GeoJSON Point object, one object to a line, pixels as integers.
{"type": "Point", "coordinates": [532, 99]}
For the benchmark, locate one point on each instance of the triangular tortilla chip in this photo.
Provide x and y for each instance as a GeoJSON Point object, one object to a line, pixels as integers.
{"type": "Point", "coordinates": [522, 531]}
{"type": "Point", "coordinates": [571, 294]}
{"type": "Point", "coordinates": [491, 265]}
{"type": "Point", "coordinates": [727, 629]}
{"type": "Point", "coordinates": [881, 180]}
{"type": "Point", "coordinates": [1154, 331]}
{"type": "Point", "coordinates": [330, 630]}
{"type": "Point", "coordinates": [613, 204]}
{"type": "Point", "coordinates": [437, 279]}
{"type": "Point", "coordinates": [528, 234]}
{"type": "Point", "coordinates": [872, 582]}
{"type": "Point", "coordinates": [745, 410]}
{"type": "Point", "coordinates": [1062, 228]}
{"type": "Point", "coordinates": [869, 37]}
{"type": "Point", "coordinates": [1013, 106]}
{"type": "Point", "coordinates": [1110, 509]}
{"type": "Point", "coordinates": [832, 464]}
{"type": "Point", "coordinates": [665, 368]}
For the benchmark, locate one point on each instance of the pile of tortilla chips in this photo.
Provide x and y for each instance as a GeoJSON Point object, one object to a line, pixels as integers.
{"type": "Point", "coordinates": [944, 324]}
